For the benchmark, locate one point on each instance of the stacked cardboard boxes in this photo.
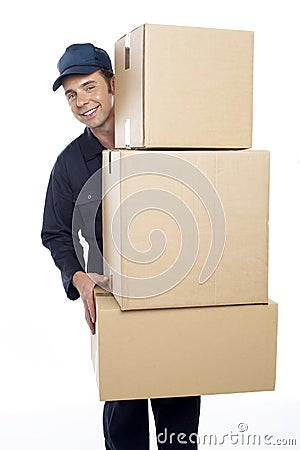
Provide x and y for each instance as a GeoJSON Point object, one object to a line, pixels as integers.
{"type": "Point", "coordinates": [185, 222]}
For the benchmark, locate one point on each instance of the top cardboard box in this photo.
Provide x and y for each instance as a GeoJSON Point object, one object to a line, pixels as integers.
{"type": "Point", "coordinates": [184, 87]}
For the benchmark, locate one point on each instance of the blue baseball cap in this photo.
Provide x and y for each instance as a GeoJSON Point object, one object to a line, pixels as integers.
{"type": "Point", "coordinates": [81, 59]}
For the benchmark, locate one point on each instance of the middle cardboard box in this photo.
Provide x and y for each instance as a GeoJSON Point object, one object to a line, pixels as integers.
{"type": "Point", "coordinates": [186, 228]}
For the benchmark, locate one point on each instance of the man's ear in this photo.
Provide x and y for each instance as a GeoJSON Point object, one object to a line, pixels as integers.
{"type": "Point", "coordinates": [112, 84]}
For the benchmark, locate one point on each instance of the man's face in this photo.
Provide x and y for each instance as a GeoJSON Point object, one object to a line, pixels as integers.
{"type": "Point", "coordinates": [89, 99]}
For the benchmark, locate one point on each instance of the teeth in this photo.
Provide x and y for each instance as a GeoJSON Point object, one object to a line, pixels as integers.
{"type": "Point", "coordinates": [88, 113]}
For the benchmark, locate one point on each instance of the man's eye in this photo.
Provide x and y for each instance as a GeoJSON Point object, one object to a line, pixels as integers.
{"type": "Point", "coordinates": [90, 88]}
{"type": "Point", "coordinates": [71, 97]}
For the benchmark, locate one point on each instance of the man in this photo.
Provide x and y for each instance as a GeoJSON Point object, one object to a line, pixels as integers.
{"type": "Point", "coordinates": [87, 78]}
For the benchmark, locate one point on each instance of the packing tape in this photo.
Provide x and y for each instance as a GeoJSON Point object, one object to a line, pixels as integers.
{"type": "Point", "coordinates": [127, 52]}
{"type": "Point", "coordinates": [127, 40]}
{"type": "Point", "coordinates": [127, 133]}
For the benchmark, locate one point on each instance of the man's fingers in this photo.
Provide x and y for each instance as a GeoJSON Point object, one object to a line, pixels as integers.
{"type": "Point", "coordinates": [98, 279]}
{"type": "Point", "coordinates": [90, 323]}
{"type": "Point", "coordinates": [85, 283]}
{"type": "Point", "coordinates": [89, 304]}
{"type": "Point", "coordinates": [88, 319]}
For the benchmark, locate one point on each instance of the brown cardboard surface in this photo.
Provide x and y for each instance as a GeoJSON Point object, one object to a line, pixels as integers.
{"type": "Point", "coordinates": [183, 351]}
{"type": "Point", "coordinates": [184, 87]}
{"type": "Point", "coordinates": [241, 181]}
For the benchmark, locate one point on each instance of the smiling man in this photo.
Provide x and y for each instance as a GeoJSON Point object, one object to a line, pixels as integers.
{"type": "Point", "coordinates": [88, 81]}
{"type": "Point", "coordinates": [92, 102]}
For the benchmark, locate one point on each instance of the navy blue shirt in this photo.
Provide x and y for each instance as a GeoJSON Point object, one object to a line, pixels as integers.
{"type": "Point", "coordinates": [73, 167]}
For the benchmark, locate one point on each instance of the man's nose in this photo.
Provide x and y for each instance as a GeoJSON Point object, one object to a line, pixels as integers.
{"type": "Point", "coordinates": [81, 99]}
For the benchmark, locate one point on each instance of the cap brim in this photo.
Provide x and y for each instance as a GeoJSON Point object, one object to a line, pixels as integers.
{"type": "Point", "coordinates": [75, 70]}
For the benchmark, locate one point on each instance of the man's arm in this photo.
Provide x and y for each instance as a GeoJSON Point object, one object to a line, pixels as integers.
{"type": "Point", "coordinates": [57, 230]}
{"type": "Point", "coordinates": [60, 236]}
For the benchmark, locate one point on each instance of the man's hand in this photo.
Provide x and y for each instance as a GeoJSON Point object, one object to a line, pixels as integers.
{"type": "Point", "coordinates": [85, 283]}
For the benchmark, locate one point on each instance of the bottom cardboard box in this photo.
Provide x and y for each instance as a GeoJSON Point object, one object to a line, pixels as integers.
{"type": "Point", "coordinates": [183, 351]}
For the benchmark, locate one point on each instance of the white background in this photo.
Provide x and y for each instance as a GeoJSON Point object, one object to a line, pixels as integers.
{"type": "Point", "coordinates": [48, 397]}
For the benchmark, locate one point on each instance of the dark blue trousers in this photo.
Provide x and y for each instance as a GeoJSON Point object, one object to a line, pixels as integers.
{"type": "Point", "coordinates": [126, 423]}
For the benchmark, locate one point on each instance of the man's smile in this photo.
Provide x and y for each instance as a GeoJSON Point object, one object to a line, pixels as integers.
{"type": "Point", "coordinates": [90, 113]}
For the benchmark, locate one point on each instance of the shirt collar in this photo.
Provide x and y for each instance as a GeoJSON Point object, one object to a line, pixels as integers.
{"type": "Point", "coordinates": [93, 147]}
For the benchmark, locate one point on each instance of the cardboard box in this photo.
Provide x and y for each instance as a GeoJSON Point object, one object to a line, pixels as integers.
{"type": "Point", "coordinates": [183, 351]}
{"type": "Point", "coordinates": [184, 87]}
{"type": "Point", "coordinates": [186, 228]}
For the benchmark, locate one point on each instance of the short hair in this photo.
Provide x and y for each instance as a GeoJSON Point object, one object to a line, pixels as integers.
{"type": "Point", "coordinates": [107, 75]}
